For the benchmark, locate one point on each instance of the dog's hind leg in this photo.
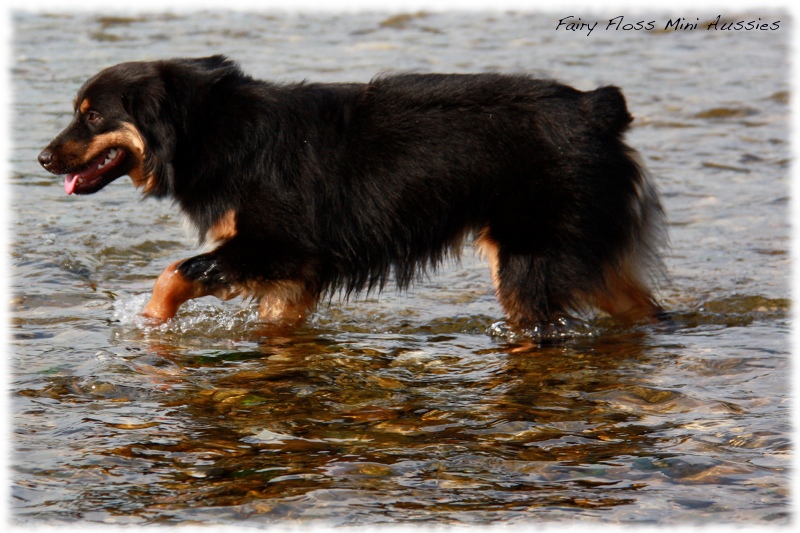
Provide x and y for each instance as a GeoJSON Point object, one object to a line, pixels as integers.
{"type": "Point", "coordinates": [524, 285]}
{"type": "Point", "coordinates": [539, 289]}
{"type": "Point", "coordinates": [624, 295]}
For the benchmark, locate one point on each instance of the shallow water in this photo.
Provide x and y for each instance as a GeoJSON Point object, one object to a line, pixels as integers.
{"type": "Point", "coordinates": [399, 408]}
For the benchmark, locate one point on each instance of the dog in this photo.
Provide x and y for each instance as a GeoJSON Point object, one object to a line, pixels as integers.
{"type": "Point", "coordinates": [305, 189]}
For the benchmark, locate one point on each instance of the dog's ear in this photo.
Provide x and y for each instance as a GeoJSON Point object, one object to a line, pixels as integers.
{"type": "Point", "coordinates": [158, 95]}
{"type": "Point", "coordinates": [153, 110]}
{"type": "Point", "coordinates": [218, 65]}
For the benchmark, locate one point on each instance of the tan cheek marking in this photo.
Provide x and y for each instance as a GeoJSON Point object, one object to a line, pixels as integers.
{"type": "Point", "coordinates": [223, 229]}
{"type": "Point", "coordinates": [140, 179]}
{"type": "Point", "coordinates": [130, 139]}
{"type": "Point", "coordinates": [136, 140]}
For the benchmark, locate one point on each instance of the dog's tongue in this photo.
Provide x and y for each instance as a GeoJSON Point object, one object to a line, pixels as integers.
{"type": "Point", "coordinates": [91, 171]}
{"type": "Point", "coordinates": [69, 182]}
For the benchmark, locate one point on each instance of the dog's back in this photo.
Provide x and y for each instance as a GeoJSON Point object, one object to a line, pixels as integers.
{"type": "Point", "coordinates": [537, 170]}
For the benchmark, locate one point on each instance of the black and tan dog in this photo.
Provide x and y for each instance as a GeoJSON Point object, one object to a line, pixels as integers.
{"type": "Point", "coordinates": [306, 189]}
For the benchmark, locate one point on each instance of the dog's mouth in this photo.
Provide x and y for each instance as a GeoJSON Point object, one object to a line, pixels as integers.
{"type": "Point", "coordinates": [97, 174]}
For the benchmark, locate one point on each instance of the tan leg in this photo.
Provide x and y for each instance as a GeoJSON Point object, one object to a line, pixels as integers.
{"type": "Point", "coordinates": [170, 292]}
{"type": "Point", "coordinates": [627, 300]}
{"type": "Point", "coordinates": [489, 249]}
{"type": "Point", "coordinates": [286, 303]}
{"type": "Point", "coordinates": [517, 311]}
{"type": "Point", "coordinates": [622, 295]}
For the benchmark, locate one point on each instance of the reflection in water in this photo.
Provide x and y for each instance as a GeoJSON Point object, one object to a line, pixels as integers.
{"type": "Point", "coordinates": [393, 426]}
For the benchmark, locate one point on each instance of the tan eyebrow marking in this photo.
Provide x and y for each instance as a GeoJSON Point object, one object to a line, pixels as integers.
{"type": "Point", "coordinates": [85, 105]}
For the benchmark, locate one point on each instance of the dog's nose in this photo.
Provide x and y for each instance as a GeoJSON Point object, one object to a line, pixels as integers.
{"type": "Point", "coordinates": [45, 158]}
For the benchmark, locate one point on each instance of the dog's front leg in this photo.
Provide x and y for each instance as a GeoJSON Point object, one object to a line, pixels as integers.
{"type": "Point", "coordinates": [184, 280]}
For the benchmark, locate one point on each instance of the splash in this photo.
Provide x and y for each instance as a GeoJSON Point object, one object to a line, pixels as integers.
{"type": "Point", "coordinates": [564, 328]}
{"type": "Point", "coordinates": [195, 317]}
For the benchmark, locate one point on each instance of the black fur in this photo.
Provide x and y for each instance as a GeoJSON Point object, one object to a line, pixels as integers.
{"type": "Point", "coordinates": [346, 186]}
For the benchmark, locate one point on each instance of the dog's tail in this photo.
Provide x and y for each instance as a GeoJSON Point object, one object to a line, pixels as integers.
{"type": "Point", "coordinates": [629, 277]}
{"type": "Point", "coordinates": [628, 280]}
{"type": "Point", "coordinates": [606, 110]}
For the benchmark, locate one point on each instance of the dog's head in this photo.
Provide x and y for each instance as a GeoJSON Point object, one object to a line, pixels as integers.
{"type": "Point", "coordinates": [125, 123]}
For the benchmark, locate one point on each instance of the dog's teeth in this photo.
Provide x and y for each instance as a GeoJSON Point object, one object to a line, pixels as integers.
{"type": "Point", "coordinates": [109, 158]}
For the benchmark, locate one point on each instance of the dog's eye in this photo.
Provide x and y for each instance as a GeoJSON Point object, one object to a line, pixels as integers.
{"type": "Point", "coordinates": [92, 117]}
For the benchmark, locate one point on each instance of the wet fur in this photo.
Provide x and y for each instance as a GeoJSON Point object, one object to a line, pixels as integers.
{"type": "Point", "coordinates": [311, 188]}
